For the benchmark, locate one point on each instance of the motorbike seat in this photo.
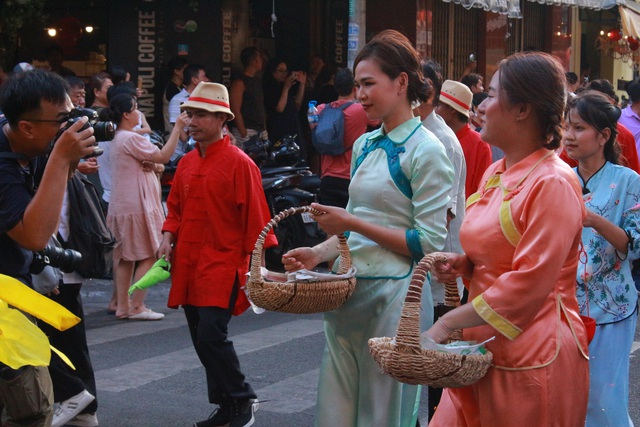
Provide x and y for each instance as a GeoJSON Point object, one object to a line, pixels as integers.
{"type": "Point", "coordinates": [282, 170]}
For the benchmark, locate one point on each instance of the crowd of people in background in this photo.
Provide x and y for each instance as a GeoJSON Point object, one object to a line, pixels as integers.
{"type": "Point", "coordinates": [534, 196]}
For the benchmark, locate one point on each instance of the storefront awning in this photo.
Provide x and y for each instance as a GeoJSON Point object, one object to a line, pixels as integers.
{"type": "Point", "coordinates": [511, 8]}
{"type": "Point", "coordinates": [630, 17]}
{"type": "Point", "coordinates": [589, 4]}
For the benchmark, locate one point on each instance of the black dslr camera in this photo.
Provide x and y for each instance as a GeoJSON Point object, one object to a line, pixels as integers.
{"type": "Point", "coordinates": [65, 259]}
{"type": "Point", "coordinates": [102, 130]}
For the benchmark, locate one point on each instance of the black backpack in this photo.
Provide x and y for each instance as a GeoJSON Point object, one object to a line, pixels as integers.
{"type": "Point", "coordinates": [88, 231]}
{"type": "Point", "coordinates": [328, 136]}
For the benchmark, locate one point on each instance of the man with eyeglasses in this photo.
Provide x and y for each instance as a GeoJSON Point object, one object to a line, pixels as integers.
{"type": "Point", "coordinates": [36, 106]}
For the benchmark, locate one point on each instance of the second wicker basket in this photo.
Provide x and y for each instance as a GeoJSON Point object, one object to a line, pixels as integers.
{"type": "Point", "coordinates": [403, 357]}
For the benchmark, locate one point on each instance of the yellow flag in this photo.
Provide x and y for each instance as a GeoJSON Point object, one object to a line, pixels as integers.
{"type": "Point", "coordinates": [22, 297]}
{"type": "Point", "coordinates": [21, 341]}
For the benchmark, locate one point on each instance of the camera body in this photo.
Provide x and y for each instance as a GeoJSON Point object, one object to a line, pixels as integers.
{"type": "Point", "coordinates": [102, 130]}
{"type": "Point", "coordinates": [65, 259]}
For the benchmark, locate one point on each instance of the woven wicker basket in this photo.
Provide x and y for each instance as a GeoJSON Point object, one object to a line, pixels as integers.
{"type": "Point", "coordinates": [299, 297]}
{"type": "Point", "coordinates": [406, 361]}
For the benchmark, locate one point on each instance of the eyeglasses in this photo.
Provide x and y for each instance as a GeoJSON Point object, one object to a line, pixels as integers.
{"type": "Point", "coordinates": [59, 121]}
{"type": "Point", "coordinates": [281, 71]}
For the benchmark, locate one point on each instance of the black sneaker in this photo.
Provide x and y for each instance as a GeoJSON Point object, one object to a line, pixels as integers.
{"type": "Point", "coordinates": [242, 413]}
{"type": "Point", "coordinates": [219, 417]}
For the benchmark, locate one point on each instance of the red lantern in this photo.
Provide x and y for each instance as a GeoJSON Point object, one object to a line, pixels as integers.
{"type": "Point", "coordinates": [634, 44]}
{"type": "Point", "coordinates": [614, 34]}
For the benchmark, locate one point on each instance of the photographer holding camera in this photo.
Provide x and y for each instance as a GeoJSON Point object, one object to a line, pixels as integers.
{"type": "Point", "coordinates": [283, 95]}
{"type": "Point", "coordinates": [36, 106]}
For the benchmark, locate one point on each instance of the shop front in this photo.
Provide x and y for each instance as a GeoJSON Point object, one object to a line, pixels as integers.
{"type": "Point", "coordinates": [143, 35]}
{"type": "Point", "coordinates": [454, 33]}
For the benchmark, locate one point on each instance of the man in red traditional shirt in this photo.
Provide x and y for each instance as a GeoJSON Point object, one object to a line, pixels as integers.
{"type": "Point", "coordinates": [453, 106]}
{"type": "Point", "coordinates": [217, 209]}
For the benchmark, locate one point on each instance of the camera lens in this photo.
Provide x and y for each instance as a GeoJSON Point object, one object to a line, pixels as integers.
{"type": "Point", "coordinates": [104, 131]}
{"type": "Point", "coordinates": [65, 259]}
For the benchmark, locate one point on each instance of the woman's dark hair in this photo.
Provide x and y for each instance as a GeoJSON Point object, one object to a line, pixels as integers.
{"type": "Point", "coordinates": [633, 90]}
{"type": "Point", "coordinates": [176, 63]}
{"type": "Point", "coordinates": [604, 86]}
{"type": "Point", "coordinates": [597, 110]}
{"type": "Point", "coordinates": [95, 82]}
{"type": "Point", "coordinates": [118, 74]}
{"type": "Point", "coordinates": [395, 54]}
{"type": "Point", "coordinates": [326, 74]}
{"type": "Point", "coordinates": [124, 87]}
{"type": "Point", "coordinates": [537, 79]}
{"type": "Point", "coordinates": [478, 98]}
{"type": "Point", "coordinates": [572, 78]}
{"type": "Point", "coordinates": [118, 105]}
{"type": "Point", "coordinates": [267, 76]}
{"type": "Point", "coordinates": [433, 71]}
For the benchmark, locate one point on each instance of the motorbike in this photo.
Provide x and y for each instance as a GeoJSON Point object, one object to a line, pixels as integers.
{"type": "Point", "coordinates": [287, 182]}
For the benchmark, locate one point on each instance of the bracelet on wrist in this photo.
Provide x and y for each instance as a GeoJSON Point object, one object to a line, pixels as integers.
{"type": "Point", "coordinates": [445, 326]}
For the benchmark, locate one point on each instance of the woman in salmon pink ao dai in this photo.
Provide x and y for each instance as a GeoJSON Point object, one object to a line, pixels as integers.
{"type": "Point", "coordinates": [520, 237]}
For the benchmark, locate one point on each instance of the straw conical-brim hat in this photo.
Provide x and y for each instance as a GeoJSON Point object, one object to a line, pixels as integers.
{"type": "Point", "coordinates": [212, 97]}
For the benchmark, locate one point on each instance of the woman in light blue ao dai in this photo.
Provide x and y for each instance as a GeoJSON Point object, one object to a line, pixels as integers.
{"type": "Point", "coordinates": [611, 240]}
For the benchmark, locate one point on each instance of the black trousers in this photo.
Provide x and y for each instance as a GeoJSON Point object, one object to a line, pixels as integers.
{"type": "Point", "coordinates": [73, 343]}
{"type": "Point", "coordinates": [208, 328]}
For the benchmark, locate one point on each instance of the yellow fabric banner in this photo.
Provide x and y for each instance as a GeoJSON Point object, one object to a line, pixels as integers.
{"type": "Point", "coordinates": [22, 297]}
{"type": "Point", "coordinates": [21, 341]}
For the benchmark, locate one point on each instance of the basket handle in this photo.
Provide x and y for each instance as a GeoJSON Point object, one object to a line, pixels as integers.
{"type": "Point", "coordinates": [408, 333]}
{"type": "Point", "coordinates": [256, 259]}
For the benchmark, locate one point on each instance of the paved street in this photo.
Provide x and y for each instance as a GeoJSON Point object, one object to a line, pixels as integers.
{"type": "Point", "coordinates": [148, 373]}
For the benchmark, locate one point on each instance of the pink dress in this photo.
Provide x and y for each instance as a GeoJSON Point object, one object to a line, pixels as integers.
{"type": "Point", "coordinates": [135, 211]}
{"type": "Point", "coordinates": [521, 232]}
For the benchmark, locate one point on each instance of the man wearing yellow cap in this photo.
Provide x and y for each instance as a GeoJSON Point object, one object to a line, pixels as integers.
{"type": "Point", "coordinates": [217, 209]}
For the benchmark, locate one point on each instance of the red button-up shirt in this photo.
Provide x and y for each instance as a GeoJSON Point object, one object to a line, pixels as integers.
{"type": "Point", "coordinates": [477, 155]}
{"type": "Point", "coordinates": [217, 209]}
